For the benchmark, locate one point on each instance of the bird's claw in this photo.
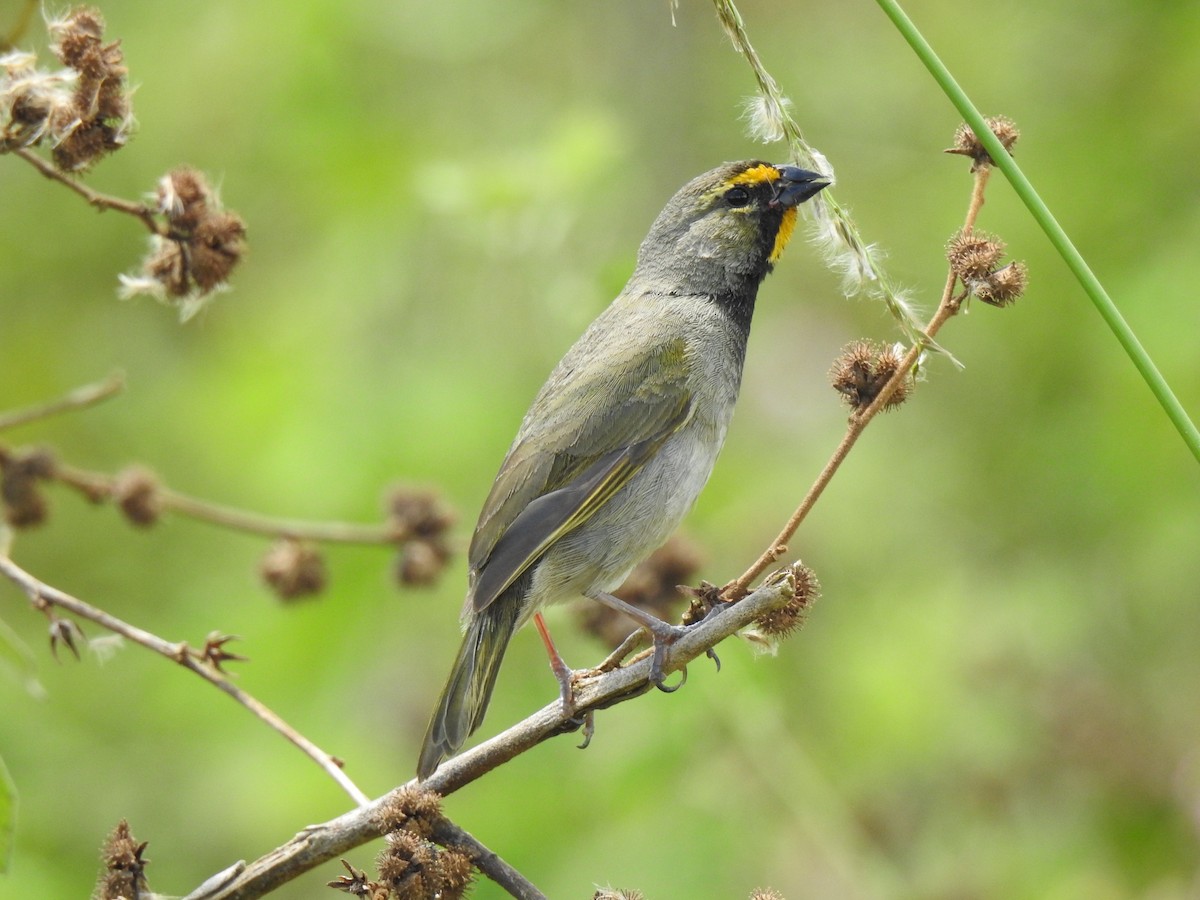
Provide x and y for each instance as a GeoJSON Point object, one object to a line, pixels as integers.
{"type": "Point", "coordinates": [664, 637]}
{"type": "Point", "coordinates": [588, 721]}
{"type": "Point", "coordinates": [659, 680]}
{"type": "Point", "coordinates": [711, 653]}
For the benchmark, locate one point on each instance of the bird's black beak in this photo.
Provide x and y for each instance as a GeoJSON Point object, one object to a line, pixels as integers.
{"type": "Point", "coordinates": [795, 185]}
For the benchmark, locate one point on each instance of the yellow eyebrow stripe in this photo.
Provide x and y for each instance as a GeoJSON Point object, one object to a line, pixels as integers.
{"type": "Point", "coordinates": [755, 175]}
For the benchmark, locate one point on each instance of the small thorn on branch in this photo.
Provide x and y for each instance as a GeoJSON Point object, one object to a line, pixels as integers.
{"type": "Point", "coordinates": [214, 652]}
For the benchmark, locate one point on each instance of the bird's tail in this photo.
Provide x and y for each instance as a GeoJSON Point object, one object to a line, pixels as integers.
{"type": "Point", "coordinates": [465, 697]}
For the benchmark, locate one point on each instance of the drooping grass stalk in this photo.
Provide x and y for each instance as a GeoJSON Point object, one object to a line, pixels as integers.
{"type": "Point", "coordinates": [1042, 215]}
{"type": "Point", "coordinates": [771, 120]}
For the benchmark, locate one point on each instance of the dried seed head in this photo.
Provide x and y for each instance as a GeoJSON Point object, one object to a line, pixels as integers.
{"type": "Point", "coordinates": [420, 563]}
{"type": "Point", "coordinates": [766, 894]}
{"type": "Point", "coordinates": [167, 266]}
{"type": "Point", "coordinates": [29, 98]}
{"type": "Point", "coordinates": [99, 117]}
{"type": "Point", "coordinates": [124, 875]}
{"type": "Point", "coordinates": [975, 260]}
{"type": "Point", "coordinates": [862, 370]}
{"type": "Point", "coordinates": [136, 491]}
{"type": "Point", "coordinates": [414, 809]}
{"type": "Point", "coordinates": [412, 866]}
{"type": "Point", "coordinates": [25, 505]}
{"type": "Point", "coordinates": [217, 245]}
{"type": "Point", "coordinates": [1002, 287]}
{"type": "Point", "coordinates": [415, 512]}
{"type": "Point", "coordinates": [183, 196]}
{"type": "Point", "coordinates": [415, 869]}
{"type": "Point", "coordinates": [1005, 129]}
{"type": "Point", "coordinates": [293, 570]}
{"type": "Point", "coordinates": [205, 244]}
{"type": "Point", "coordinates": [457, 872]}
{"type": "Point", "coordinates": [404, 860]}
{"type": "Point", "coordinates": [652, 586]}
{"type": "Point", "coordinates": [608, 893]}
{"type": "Point", "coordinates": [81, 143]}
{"type": "Point", "coordinates": [75, 33]}
{"type": "Point", "coordinates": [974, 254]}
{"type": "Point", "coordinates": [84, 109]}
{"type": "Point", "coordinates": [967, 143]}
{"type": "Point", "coordinates": [26, 117]}
{"type": "Point", "coordinates": [419, 519]}
{"type": "Point", "coordinates": [787, 619]}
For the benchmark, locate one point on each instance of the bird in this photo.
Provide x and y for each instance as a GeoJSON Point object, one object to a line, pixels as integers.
{"type": "Point", "coordinates": [622, 437]}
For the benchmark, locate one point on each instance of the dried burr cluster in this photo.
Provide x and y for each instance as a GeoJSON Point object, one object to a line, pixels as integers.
{"type": "Point", "coordinates": [82, 113]}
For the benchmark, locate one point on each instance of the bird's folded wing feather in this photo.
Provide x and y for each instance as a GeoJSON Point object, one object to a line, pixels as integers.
{"type": "Point", "coordinates": [583, 439]}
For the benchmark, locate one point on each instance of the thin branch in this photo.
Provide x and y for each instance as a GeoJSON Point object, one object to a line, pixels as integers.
{"type": "Point", "coordinates": [255, 523]}
{"type": "Point", "coordinates": [80, 398]}
{"type": "Point", "coordinates": [487, 861]}
{"type": "Point", "coordinates": [100, 486]}
{"type": "Point", "coordinates": [947, 307]}
{"type": "Point", "coordinates": [42, 595]}
{"type": "Point", "coordinates": [318, 844]}
{"type": "Point", "coordinates": [140, 211]}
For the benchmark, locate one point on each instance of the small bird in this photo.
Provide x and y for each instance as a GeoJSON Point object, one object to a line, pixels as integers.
{"type": "Point", "coordinates": [623, 435]}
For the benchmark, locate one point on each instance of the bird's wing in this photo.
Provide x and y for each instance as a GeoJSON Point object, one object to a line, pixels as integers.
{"type": "Point", "coordinates": [582, 440]}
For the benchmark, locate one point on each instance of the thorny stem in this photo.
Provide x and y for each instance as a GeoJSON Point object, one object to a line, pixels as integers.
{"type": "Point", "coordinates": [947, 307]}
{"type": "Point", "coordinates": [41, 594]}
{"type": "Point", "coordinates": [81, 397]}
{"type": "Point", "coordinates": [95, 198]}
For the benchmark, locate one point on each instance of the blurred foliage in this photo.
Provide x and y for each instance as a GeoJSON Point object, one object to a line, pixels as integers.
{"type": "Point", "coordinates": [996, 698]}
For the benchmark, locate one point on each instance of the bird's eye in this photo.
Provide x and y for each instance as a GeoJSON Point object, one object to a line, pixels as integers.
{"type": "Point", "coordinates": [737, 196]}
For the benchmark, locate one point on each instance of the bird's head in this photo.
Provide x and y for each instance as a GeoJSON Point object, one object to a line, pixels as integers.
{"type": "Point", "coordinates": [724, 230]}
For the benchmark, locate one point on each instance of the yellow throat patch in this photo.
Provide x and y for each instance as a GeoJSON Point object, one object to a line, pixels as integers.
{"type": "Point", "coordinates": [784, 234]}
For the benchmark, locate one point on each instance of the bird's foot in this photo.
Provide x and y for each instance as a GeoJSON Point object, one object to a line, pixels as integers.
{"type": "Point", "coordinates": [663, 639]}
{"type": "Point", "coordinates": [663, 635]}
{"type": "Point", "coordinates": [666, 635]}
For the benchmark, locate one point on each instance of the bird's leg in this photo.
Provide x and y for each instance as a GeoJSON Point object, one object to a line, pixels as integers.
{"type": "Point", "coordinates": [564, 675]}
{"type": "Point", "coordinates": [663, 633]}
{"type": "Point", "coordinates": [561, 670]}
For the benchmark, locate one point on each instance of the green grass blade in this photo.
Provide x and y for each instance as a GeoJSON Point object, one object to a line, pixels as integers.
{"type": "Point", "coordinates": [1058, 238]}
{"type": "Point", "coordinates": [8, 816]}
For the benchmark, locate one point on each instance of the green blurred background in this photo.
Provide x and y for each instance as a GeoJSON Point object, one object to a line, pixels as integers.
{"type": "Point", "coordinates": [997, 696]}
